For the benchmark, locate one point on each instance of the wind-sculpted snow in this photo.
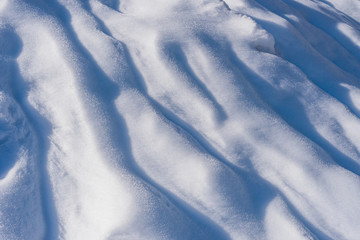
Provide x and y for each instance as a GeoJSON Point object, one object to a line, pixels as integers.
{"type": "Point", "coordinates": [182, 119]}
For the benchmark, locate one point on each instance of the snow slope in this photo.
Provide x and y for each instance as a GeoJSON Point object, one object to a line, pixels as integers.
{"type": "Point", "coordinates": [179, 119]}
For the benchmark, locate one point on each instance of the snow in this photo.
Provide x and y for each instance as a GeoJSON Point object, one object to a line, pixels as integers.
{"type": "Point", "coordinates": [155, 119]}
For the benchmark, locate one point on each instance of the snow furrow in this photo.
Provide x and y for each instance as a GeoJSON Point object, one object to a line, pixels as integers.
{"type": "Point", "coordinates": [183, 119]}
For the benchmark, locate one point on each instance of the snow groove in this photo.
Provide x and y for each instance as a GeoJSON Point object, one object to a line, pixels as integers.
{"type": "Point", "coordinates": [139, 119]}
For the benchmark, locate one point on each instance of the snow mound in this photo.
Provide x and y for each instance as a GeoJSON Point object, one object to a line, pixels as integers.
{"type": "Point", "coordinates": [156, 119]}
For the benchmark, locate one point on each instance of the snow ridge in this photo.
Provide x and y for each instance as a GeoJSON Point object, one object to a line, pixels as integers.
{"type": "Point", "coordinates": [139, 119]}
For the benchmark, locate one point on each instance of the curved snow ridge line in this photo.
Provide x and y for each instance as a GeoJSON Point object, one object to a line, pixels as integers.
{"type": "Point", "coordinates": [141, 175]}
{"type": "Point", "coordinates": [325, 25]}
{"type": "Point", "coordinates": [292, 43]}
{"type": "Point", "coordinates": [127, 164]}
{"type": "Point", "coordinates": [337, 56]}
{"type": "Point", "coordinates": [134, 99]}
{"type": "Point", "coordinates": [197, 231]}
{"type": "Point", "coordinates": [179, 120]}
{"type": "Point", "coordinates": [25, 179]}
{"type": "Point", "coordinates": [344, 99]}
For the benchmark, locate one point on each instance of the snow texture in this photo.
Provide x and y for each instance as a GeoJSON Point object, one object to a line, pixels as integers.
{"type": "Point", "coordinates": [179, 119]}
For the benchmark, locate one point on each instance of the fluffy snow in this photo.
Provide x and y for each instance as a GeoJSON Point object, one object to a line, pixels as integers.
{"type": "Point", "coordinates": [179, 119]}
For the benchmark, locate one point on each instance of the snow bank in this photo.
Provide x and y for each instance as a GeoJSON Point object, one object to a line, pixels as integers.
{"type": "Point", "coordinates": [160, 119]}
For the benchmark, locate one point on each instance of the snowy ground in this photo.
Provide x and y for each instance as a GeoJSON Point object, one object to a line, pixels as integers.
{"type": "Point", "coordinates": [179, 119]}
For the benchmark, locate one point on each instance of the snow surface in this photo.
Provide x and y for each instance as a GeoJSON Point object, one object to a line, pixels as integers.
{"type": "Point", "coordinates": [179, 119]}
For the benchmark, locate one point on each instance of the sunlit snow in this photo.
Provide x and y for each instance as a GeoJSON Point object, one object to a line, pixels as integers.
{"type": "Point", "coordinates": [179, 119]}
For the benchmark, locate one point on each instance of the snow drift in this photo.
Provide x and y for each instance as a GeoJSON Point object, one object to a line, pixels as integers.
{"type": "Point", "coordinates": [181, 119]}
